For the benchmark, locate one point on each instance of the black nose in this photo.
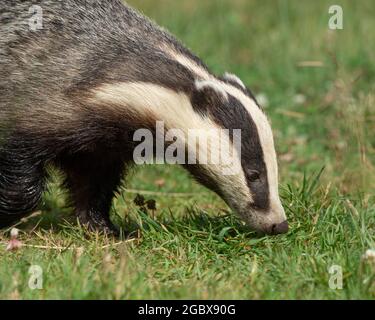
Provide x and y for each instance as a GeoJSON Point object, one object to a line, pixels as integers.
{"type": "Point", "coordinates": [280, 228]}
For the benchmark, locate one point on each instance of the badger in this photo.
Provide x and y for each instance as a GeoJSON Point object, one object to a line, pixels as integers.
{"type": "Point", "coordinates": [77, 84]}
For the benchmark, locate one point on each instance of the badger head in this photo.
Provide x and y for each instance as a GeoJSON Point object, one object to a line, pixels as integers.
{"type": "Point", "coordinates": [250, 185]}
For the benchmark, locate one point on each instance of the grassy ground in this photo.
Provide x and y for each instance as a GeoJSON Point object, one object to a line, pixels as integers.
{"type": "Point", "coordinates": [323, 116]}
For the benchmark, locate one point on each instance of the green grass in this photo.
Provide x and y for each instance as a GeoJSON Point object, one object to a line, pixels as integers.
{"type": "Point", "coordinates": [192, 247]}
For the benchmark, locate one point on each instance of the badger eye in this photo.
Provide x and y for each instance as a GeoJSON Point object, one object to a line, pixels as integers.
{"type": "Point", "coordinates": [253, 175]}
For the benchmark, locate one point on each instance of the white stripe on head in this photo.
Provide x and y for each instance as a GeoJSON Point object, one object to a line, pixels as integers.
{"type": "Point", "coordinates": [187, 62]}
{"type": "Point", "coordinates": [266, 141]}
{"type": "Point", "coordinates": [234, 78]}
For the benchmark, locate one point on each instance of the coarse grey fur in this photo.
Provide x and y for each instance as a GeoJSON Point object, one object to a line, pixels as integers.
{"type": "Point", "coordinates": [44, 119]}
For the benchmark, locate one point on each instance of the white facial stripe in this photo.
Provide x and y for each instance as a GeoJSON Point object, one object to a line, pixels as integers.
{"type": "Point", "coordinates": [175, 109]}
{"type": "Point", "coordinates": [266, 140]}
{"type": "Point", "coordinates": [188, 63]}
{"type": "Point", "coordinates": [215, 85]}
{"type": "Point", "coordinates": [234, 78]}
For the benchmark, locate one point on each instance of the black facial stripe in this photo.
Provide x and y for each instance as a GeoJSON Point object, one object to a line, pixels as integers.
{"type": "Point", "coordinates": [246, 90]}
{"type": "Point", "coordinates": [233, 115]}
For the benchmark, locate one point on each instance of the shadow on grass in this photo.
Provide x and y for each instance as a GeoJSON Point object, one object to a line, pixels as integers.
{"type": "Point", "coordinates": [195, 223]}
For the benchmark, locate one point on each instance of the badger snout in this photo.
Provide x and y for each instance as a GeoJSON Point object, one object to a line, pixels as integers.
{"type": "Point", "coordinates": [278, 228]}
{"type": "Point", "coordinates": [272, 222]}
{"type": "Point", "coordinates": [272, 229]}
{"type": "Point", "coordinates": [277, 222]}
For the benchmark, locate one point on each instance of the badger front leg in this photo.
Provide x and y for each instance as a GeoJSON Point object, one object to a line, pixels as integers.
{"type": "Point", "coordinates": [22, 178]}
{"type": "Point", "coordinates": [92, 183]}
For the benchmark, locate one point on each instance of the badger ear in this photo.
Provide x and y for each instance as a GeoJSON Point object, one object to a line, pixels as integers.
{"type": "Point", "coordinates": [234, 79]}
{"type": "Point", "coordinates": [211, 88]}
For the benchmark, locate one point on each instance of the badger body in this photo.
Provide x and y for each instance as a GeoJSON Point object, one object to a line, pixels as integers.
{"type": "Point", "coordinates": [73, 93]}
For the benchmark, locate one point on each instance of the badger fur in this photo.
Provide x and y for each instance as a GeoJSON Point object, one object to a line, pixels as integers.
{"type": "Point", "coordinates": [73, 93]}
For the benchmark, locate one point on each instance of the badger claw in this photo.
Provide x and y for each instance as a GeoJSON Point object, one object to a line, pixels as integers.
{"type": "Point", "coordinates": [97, 222]}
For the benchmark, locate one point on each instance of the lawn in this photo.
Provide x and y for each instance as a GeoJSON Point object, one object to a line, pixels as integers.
{"type": "Point", "coordinates": [318, 87]}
